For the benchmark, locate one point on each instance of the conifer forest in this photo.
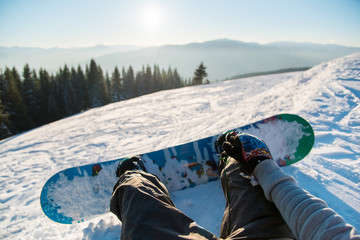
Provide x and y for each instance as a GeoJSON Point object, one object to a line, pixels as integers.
{"type": "Point", "coordinates": [30, 98]}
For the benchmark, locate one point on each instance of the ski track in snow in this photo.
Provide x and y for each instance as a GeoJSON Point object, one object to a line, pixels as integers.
{"type": "Point", "coordinates": [327, 95]}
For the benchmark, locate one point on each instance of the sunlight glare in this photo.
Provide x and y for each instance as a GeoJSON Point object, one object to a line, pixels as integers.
{"type": "Point", "coordinates": [151, 17]}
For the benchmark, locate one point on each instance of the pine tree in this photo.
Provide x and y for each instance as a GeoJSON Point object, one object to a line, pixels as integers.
{"type": "Point", "coordinates": [98, 93]}
{"type": "Point", "coordinates": [139, 83]}
{"type": "Point", "coordinates": [108, 87]}
{"type": "Point", "coordinates": [4, 130]}
{"type": "Point", "coordinates": [14, 105]}
{"type": "Point", "coordinates": [44, 95]}
{"type": "Point", "coordinates": [169, 78]}
{"type": "Point", "coordinates": [92, 76]}
{"type": "Point", "coordinates": [103, 83]}
{"type": "Point", "coordinates": [199, 74]}
{"type": "Point", "coordinates": [124, 81]}
{"type": "Point", "coordinates": [67, 94]}
{"type": "Point", "coordinates": [54, 112]}
{"type": "Point", "coordinates": [80, 86]}
{"type": "Point", "coordinates": [129, 83]}
{"type": "Point", "coordinates": [157, 81]}
{"type": "Point", "coordinates": [17, 80]}
{"type": "Point", "coordinates": [148, 83]}
{"type": "Point", "coordinates": [176, 80]}
{"type": "Point", "coordinates": [30, 95]}
{"type": "Point", "coordinates": [116, 86]}
{"type": "Point", "coordinates": [3, 115]}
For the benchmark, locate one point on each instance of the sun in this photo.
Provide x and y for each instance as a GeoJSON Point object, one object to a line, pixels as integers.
{"type": "Point", "coordinates": [151, 17]}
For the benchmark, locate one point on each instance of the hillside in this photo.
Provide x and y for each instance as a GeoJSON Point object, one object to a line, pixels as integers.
{"type": "Point", "coordinates": [328, 96]}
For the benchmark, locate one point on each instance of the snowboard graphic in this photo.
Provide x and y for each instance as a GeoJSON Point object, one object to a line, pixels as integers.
{"type": "Point", "coordinates": [81, 193]}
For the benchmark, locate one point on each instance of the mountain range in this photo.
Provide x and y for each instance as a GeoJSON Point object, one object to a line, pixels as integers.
{"type": "Point", "coordinates": [223, 58]}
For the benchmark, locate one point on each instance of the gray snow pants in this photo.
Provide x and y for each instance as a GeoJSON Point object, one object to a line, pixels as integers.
{"type": "Point", "coordinates": [143, 205]}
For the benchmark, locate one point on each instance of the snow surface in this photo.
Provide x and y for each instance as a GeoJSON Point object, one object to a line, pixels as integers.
{"type": "Point", "coordinates": [327, 95]}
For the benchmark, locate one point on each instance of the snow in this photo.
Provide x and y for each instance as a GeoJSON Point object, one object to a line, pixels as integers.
{"type": "Point", "coordinates": [62, 191]}
{"type": "Point", "coordinates": [327, 95]}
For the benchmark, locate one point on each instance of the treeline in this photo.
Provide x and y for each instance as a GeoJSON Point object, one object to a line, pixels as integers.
{"type": "Point", "coordinates": [284, 70]}
{"type": "Point", "coordinates": [38, 98]}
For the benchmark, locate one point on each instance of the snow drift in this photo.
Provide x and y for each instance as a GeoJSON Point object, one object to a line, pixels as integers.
{"type": "Point", "coordinates": [327, 95]}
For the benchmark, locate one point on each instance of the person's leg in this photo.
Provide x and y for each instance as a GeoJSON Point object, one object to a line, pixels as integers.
{"type": "Point", "coordinates": [143, 205]}
{"type": "Point", "coordinates": [248, 214]}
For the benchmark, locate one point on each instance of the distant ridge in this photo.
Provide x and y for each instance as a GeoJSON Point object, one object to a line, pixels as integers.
{"type": "Point", "coordinates": [285, 70]}
{"type": "Point", "coordinates": [223, 58]}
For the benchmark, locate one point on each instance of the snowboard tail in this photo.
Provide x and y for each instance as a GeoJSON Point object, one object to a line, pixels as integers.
{"type": "Point", "coordinates": [80, 193]}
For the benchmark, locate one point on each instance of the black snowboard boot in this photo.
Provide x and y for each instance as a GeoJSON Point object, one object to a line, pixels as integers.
{"type": "Point", "coordinates": [223, 156]}
{"type": "Point", "coordinates": [130, 163]}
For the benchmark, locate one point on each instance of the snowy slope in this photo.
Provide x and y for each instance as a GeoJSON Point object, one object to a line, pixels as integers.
{"type": "Point", "coordinates": [327, 95]}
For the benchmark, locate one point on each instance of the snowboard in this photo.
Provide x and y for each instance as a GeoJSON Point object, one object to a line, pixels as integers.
{"type": "Point", "coordinates": [80, 193]}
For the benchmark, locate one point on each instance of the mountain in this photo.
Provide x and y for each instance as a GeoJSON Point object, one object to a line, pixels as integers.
{"type": "Point", "coordinates": [327, 95]}
{"type": "Point", "coordinates": [54, 58]}
{"type": "Point", "coordinates": [223, 58]}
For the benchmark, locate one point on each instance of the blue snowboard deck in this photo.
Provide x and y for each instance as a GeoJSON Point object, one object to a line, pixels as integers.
{"type": "Point", "coordinates": [80, 193]}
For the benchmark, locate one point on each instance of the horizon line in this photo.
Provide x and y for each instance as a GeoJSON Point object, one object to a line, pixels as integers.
{"type": "Point", "coordinates": [177, 44]}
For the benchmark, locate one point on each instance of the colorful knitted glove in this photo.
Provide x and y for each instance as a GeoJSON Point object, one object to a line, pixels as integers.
{"type": "Point", "coordinates": [247, 149]}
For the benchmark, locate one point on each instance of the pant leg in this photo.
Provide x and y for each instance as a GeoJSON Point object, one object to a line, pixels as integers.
{"type": "Point", "coordinates": [248, 214]}
{"type": "Point", "coordinates": [143, 205]}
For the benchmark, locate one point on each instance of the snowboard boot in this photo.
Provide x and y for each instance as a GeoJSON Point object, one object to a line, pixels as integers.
{"type": "Point", "coordinates": [223, 156]}
{"type": "Point", "coordinates": [130, 163]}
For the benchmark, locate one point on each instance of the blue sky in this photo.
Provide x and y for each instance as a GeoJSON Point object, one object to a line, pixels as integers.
{"type": "Point", "coordinates": [81, 23]}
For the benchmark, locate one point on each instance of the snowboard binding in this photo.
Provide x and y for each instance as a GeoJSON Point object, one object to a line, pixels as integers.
{"type": "Point", "coordinates": [130, 163]}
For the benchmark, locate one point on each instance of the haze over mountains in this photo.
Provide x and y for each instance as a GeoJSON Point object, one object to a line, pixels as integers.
{"type": "Point", "coordinates": [223, 58]}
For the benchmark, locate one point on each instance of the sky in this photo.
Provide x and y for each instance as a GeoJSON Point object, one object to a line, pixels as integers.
{"type": "Point", "coordinates": [84, 23]}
